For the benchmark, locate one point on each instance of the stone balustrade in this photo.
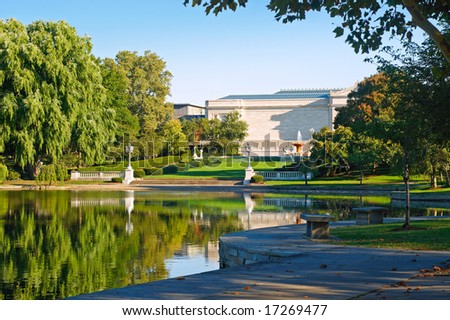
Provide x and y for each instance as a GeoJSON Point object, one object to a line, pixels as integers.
{"type": "Point", "coordinates": [96, 175]}
{"type": "Point", "coordinates": [284, 175]}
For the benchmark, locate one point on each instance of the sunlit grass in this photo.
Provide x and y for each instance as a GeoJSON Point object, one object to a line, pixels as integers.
{"type": "Point", "coordinates": [425, 235]}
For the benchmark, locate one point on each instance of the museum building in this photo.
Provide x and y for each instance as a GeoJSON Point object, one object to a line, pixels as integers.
{"type": "Point", "coordinates": [278, 121]}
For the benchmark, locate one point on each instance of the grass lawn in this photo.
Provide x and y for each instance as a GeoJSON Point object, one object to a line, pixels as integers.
{"type": "Point", "coordinates": [221, 168]}
{"type": "Point", "coordinates": [432, 235]}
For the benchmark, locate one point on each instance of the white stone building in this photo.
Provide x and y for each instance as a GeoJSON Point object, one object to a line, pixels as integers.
{"type": "Point", "coordinates": [277, 121]}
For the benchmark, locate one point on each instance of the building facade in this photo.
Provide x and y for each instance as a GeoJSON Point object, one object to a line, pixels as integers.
{"type": "Point", "coordinates": [188, 111]}
{"type": "Point", "coordinates": [280, 120]}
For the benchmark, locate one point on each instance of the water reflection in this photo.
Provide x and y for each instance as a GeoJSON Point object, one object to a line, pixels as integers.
{"type": "Point", "coordinates": [63, 243]}
{"type": "Point", "coordinates": [129, 206]}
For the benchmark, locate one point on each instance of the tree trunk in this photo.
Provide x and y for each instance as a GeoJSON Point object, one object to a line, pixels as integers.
{"type": "Point", "coordinates": [422, 22]}
{"type": "Point", "coordinates": [361, 177]}
{"type": "Point", "coordinates": [447, 178]}
{"type": "Point", "coordinates": [34, 170]}
{"type": "Point", "coordinates": [433, 177]}
{"type": "Point", "coordinates": [407, 200]}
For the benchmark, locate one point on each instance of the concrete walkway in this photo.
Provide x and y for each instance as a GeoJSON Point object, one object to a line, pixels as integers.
{"type": "Point", "coordinates": [302, 269]}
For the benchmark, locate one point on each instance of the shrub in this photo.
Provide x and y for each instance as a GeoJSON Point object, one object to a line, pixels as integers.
{"type": "Point", "coordinates": [257, 179]}
{"type": "Point", "coordinates": [171, 169]}
{"type": "Point", "coordinates": [139, 173]}
{"type": "Point", "coordinates": [13, 175]}
{"type": "Point", "coordinates": [153, 171]}
{"type": "Point", "coordinates": [61, 172]}
{"type": "Point", "coordinates": [47, 174]}
{"type": "Point", "coordinates": [3, 172]}
{"type": "Point", "coordinates": [117, 179]}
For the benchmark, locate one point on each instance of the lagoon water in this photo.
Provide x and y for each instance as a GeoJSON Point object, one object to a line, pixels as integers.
{"type": "Point", "coordinates": [57, 244]}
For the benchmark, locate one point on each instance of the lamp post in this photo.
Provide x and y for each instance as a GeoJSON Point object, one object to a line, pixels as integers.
{"type": "Point", "coordinates": [129, 149]}
{"type": "Point", "coordinates": [248, 149]}
{"type": "Point", "coordinates": [249, 172]}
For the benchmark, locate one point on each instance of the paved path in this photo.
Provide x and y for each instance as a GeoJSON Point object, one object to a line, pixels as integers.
{"type": "Point", "coordinates": [306, 270]}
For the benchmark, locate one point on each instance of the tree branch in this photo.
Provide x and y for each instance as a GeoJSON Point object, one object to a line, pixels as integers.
{"type": "Point", "coordinates": [422, 22]}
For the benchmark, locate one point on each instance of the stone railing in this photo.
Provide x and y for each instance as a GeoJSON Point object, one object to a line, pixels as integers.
{"type": "Point", "coordinates": [284, 175]}
{"type": "Point", "coordinates": [96, 175]}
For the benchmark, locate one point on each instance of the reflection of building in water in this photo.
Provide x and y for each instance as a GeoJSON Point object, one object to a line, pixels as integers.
{"type": "Point", "coordinates": [94, 202]}
{"type": "Point", "coordinates": [255, 220]}
{"type": "Point", "coordinates": [267, 219]}
{"type": "Point", "coordinates": [210, 251]}
{"type": "Point", "coordinates": [288, 202]}
{"type": "Point", "coordinates": [127, 202]}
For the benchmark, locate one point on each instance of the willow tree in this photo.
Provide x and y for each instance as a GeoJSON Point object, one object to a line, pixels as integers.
{"type": "Point", "coordinates": [51, 94]}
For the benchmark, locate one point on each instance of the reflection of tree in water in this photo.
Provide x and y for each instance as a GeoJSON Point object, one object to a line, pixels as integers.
{"type": "Point", "coordinates": [49, 255]}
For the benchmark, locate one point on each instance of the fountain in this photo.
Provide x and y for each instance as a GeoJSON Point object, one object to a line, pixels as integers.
{"type": "Point", "coordinates": [299, 144]}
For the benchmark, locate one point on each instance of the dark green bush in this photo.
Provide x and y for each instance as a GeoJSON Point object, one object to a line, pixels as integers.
{"type": "Point", "coordinates": [171, 169]}
{"type": "Point", "coordinates": [257, 179]}
{"type": "Point", "coordinates": [118, 179]}
{"type": "Point", "coordinates": [139, 173]}
{"type": "Point", "coordinates": [153, 171]}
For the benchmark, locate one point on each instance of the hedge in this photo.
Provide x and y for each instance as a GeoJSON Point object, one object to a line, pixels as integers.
{"type": "Point", "coordinates": [257, 179]}
{"type": "Point", "coordinates": [139, 173]}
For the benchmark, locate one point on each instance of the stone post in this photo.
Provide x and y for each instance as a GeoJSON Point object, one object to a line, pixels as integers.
{"type": "Point", "coordinates": [128, 176]}
{"type": "Point", "coordinates": [74, 175]}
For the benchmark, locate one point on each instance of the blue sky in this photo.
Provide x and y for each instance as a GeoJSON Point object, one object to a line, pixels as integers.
{"type": "Point", "coordinates": [246, 52]}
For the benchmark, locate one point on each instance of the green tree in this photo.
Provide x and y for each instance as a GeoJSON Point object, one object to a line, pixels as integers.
{"type": "Point", "coordinates": [330, 150]}
{"type": "Point", "coordinates": [366, 21]}
{"type": "Point", "coordinates": [365, 153]}
{"type": "Point", "coordinates": [175, 140]}
{"type": "Point", "coordinates": [148, 88]}
{"type": "Point", "coordinates": [407, 103]}
{"type": "Point", "coordinates": [368, 113]}
{"type": "Point", "coordinates": [51, 94]}
{"type": "Point", "coordinates": [232, 131]}
{"type": "Point", "coordinates": [117, 83]}
{"type": "Point", "coordinates": [224, 135]}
